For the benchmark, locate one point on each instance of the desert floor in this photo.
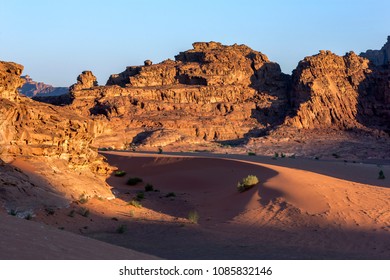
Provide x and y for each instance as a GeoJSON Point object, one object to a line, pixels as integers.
{"type": "Point", "coordinates": [301, 209]}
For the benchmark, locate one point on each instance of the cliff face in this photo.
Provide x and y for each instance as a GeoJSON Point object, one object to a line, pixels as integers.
{"type": "Point", "coordinates": [232, 93]}
{"type": "Point", "coordinates": [379, 57]}
{"type": "Point", "coordinates": [10, 80]}
{"type": "Point", "coordinates": [325, 90]}
{"type": "Point", "coordinates": [30, 88]}
{"type": "Point", "coordinates": [330, 91]}
{"type": "Point", "coordinates": [211, 92]}
{"type": "Point", "coordinates": [54, 141]}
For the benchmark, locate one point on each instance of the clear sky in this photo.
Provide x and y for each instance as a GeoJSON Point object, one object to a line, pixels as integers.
{"type": "Point", "coordinates": [56, 39]}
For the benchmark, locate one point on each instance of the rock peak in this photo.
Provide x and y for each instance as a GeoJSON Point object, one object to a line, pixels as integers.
{"type": "Point", "coordinates": [379, 57]}
{"type": "Point", "coordinates": [85, 80]}
{"type": "Point", "coordinates": [10, 80]}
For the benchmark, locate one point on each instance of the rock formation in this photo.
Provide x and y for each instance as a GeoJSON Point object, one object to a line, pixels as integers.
{"type": "Point", "coordinates": [31, 88]}
{"type": "Point", "coordinates": [84, 81]}
{"type": "Point", "coordinates": [212, 92]}
{"type": "Point", "coordinates": [10, 80]}
{"type": "Point", "coordinates": [229, 94]}
{"type": "Point", "coordinates": [379, 57]}
{"type": "Point", "coordinates": [330, 91]}
{"type": "Point", "coordinates": [325, 90]}
{"type": "Point", "coordinates": [51, 140]}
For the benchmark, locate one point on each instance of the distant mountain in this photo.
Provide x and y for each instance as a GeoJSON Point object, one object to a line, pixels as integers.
{"type": "Point", "coordinates": [32, 88]}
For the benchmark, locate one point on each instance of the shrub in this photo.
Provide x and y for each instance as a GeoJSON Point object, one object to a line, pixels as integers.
{"type": "Point", "coordinates": [171, 194]}
{"type": "Point", "coordinates": [251, 154]}
{"type": "Point", "coordinates": [381, 175]}
{"type": "Point", "coordinates": [282, 155]}
{"type": "Point", "coordinates": [119, 173]}
{"type": "Point", "coordinates": [49, 211]}
{"type": "Point", "coordinates": [276, 155]}
{"type": "Point", "coordinates": [28, 217]}
{"type": "Point", "coordinates": [149, 188]}
{"type": "Point", "coordinates": [160, 150]}
{"type": "Point", "coordinates": [84, 212]}
{"type": "Point", "coordinates": [140, 196]}
{"type": "Point", "coordinates": [335, 155]}
{"type": "Point", "coordinates": [193, 217]}
{"type": "Point", "coordinates": [13, 212]}
{"type": "Point", "coordinates": [135, 203]}
{"type": "Point", "coordinates": [121, 229]}
{"type": "Point", "coordinates": [83, 198]}
{"type": "Point", "coordinates": [133, 181]}
{"type": "Point", "coordinates": [247, 183]}
{"type": "Point", "coordinates": [71, 213]}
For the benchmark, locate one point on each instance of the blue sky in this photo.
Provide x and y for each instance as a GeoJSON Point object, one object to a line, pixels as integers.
{"type": "Point", "coordinates": [56, 40]}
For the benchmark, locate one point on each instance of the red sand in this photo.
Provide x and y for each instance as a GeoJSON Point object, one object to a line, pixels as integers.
{"type": "Point", "coordinates": [293, 213]}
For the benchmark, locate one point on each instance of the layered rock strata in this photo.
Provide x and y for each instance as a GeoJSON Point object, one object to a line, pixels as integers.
{"type": "Point", "coordinates": [31, 88]}
{"type": "Point", "coordinates": [210, 93]}
{"type": "Point", "coordinates": [339, 92]}
{"type": "Point", "coordinates": [52, 141]}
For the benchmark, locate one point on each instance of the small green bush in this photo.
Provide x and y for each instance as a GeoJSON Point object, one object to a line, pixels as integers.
{"type": "Point", "coordinates": [251, 154]}
{"type": "Point", "coordinates": [71, 213]}
{"type": "Point", "coordinates": [83, 198]}
{"type": "Point", "coordinates": [13, 212]}
{"type": "Point", "coordinates": [28, 217]}
{"type": "Point", "coordinates": [149, 188]}
{"type": "Point", "coordinates": [276, 155]}
{"type": "Point", "coordinates": [133, 181]}
{"type": "Point", "coordinates": [247, 183]}
{"type": "Point", "coordinates": [335, 155]}
{"type": "Point", "coordinates": [135, 203]}
{"type": "Point", "coordinates": [140, 196]}
{"type": "Point", "coordinates": [84, 212]}
{"type": "Point", "coordinates": [381, 175]}
{"type": "Point", "coordinates": [121, 229]}
{"type": "Point", "coordinates": [160, 150]}
{"type": "Point", "coordinates": [119, 173]}
{"type": "Point", "coordinates": [282, 155]}
{"type": "Point", "coordinates": [171, 194]}
{"type": "Point", "coordinates": [49, 211]}
{"type": "Point", "coordinates": [193, 217]}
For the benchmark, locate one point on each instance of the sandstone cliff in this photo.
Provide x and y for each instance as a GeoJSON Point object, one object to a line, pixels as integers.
{"type": "Point", "coordinates": [339, 92]}
{"type": "Point", "coordinates": [31, 88]}
{"type": "Point", "coordinates": [379, 57]}
{"type": "Point", "coordinates": [210, 93]}
{"type": "Point", "coordinates": [230, 94]}
{"type": "Point", "coordinates": [52, 142]}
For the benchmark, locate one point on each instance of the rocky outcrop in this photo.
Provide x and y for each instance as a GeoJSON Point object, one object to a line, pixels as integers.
{"type": "Point", "coordinates": [31, 88]}
{"type": "Point", "coordinates": [325, 90]}
{"type": "Point", "coordinates": [212, 92]}
{"type": "Point", "coordinates": [10, 80]}
{"type": "Point", "coordinates": [84, 81]}
{"type": "Point", "coordinates": [339, 92]}
{"type": "Point", "coordinates": [228, 94]}
{"type": "Point", "coordinates": [53, 141]}
{"type": "Point", "coordinates": [379, 57]}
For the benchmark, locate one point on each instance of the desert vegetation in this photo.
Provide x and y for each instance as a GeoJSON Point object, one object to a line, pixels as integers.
{"type": "Point", "coordinates": [134, 181]}
{"type": "Point", "coordinates": [193, 217]}
{"type": "Point", "coordinates": [247, 183]}
{"type": "Point", "coordinates": [119, 173]}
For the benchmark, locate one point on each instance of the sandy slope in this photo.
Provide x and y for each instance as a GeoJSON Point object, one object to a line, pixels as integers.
{"type": "Point", "coordinates": [292, 209]}
{"type": "Point", "coordinates": [297, 211]}
{"type": "Point", "coordinates": [21, 239]}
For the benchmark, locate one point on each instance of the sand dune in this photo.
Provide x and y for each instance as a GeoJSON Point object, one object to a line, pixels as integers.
{"type": "Point", "coordinates": [297, 211]}
{"type": "Point", "coordinates": [339, 217]}
{"type": "Point", "coordinates": [21, 239]}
